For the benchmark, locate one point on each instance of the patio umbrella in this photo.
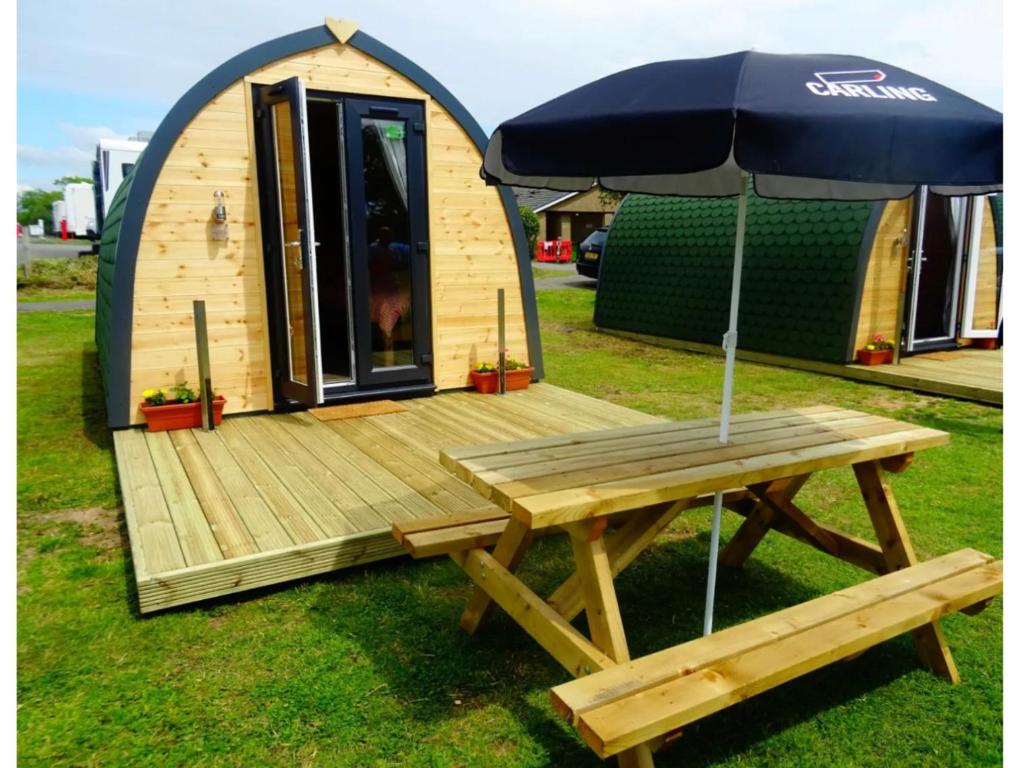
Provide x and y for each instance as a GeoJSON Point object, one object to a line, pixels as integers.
{"type": "Point", "coordinates": [803, 126]}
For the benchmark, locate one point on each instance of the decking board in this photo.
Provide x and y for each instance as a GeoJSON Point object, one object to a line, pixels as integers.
{"type": "Point", "coordinates": [272, 498]}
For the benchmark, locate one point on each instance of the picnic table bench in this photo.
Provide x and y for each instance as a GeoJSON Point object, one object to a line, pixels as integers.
{"type": "Point", "coordinates": [636, 480]}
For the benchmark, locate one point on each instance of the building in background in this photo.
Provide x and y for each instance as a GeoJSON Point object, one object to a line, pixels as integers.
{"type": "Point", "coordinates": [568, 215]}
{"type": "Point", "coordinates": [820, 279]}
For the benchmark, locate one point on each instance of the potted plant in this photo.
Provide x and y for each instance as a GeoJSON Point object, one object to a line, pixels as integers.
{"type": "Point", "coordinates": [485, 379]}
{"type": "Point", "coordinates": [176, 408]}
{"type": "Point", "coordinates": [879, 350]}
{"type": "Point", "coordinates": [518, 375]}
{"type": "Point", "coordinates": [486, 376]}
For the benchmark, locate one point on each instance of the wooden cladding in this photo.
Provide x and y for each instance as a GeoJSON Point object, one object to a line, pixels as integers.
{"type": "Point", "coordinates": [471, 245]}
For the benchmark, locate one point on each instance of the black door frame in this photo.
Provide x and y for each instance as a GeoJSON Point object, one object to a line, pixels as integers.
{"type": "Point", "coordinates": [416, 379]}
{"type": "Point", "coordinates": [413, 113]}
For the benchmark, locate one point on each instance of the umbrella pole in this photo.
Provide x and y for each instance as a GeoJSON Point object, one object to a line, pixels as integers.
{"type": "Point", "coordinates": [730, 344]}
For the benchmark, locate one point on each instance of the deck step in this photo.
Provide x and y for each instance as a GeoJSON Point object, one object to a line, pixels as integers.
{"type": "Point", "coordinates": [632, 703]}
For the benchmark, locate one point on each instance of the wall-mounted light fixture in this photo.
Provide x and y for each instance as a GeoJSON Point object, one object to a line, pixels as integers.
{"type": "Point", "coordinates": [219, 223]}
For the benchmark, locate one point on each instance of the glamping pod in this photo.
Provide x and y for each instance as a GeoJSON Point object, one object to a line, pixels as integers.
{"type": "Point", "coordinates": [320, 193]}
{"type": "Point", "coordinates": [820, 279]}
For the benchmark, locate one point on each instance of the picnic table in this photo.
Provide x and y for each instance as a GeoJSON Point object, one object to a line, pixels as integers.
{"type": "Point", "coordinates": [636, 480]}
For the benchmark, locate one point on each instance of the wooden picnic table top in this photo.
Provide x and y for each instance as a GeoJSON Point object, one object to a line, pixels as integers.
{"type": "Point", "coordinates": [568, 478]}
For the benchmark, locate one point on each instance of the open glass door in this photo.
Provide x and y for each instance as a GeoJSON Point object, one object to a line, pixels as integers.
{"type": "Point", "coordinates": [284, 106]}
{"type": "Point", "coordinates": [388, 228]}
{"type": "Point", "coordinates": [935, 263]}
{"type": "Point", "coordinates": [982, 304]}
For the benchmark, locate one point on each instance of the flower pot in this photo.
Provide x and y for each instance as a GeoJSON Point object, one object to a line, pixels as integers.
{"type": "Point", "coordinates": [519, 378]}
{"type": "Point", "coordinates": [161, 418]}
{"type": "Point", "coordinates": [874, 356]}
{"type": "Point", "coordinates": [986, 343]}
{"type": "Point", "coordinates": [485, 383]}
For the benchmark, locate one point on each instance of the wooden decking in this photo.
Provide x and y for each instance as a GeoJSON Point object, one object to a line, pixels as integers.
{"type": "Point", "coordinates": [269, 498]}
{"type": "Point", "coordinates": [967, 373]}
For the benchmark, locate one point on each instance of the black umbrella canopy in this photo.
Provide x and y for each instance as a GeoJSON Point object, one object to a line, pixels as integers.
{"type": "Point", "coordinates": [807, 126]}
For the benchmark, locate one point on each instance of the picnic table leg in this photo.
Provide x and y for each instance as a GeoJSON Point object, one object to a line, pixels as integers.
{"type": "Point", "coordinates": [759, 521]}
{"type": "Point", "coordinates": [601, 604]}
{"type": "Point", "coordinates": [508, 552]}
{"type": "Point", "coordinates": [898, 553]}
{"type": "Point", "coordinates": [624, 547]}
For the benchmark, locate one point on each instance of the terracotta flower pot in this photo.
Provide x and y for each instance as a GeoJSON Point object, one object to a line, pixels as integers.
{"type": "Point", "coordinates": [874, 356]}
{"type": "Point", "coordinates": [485, 383]}
{"type": "Point", "coordinates": [520, 378]}
{"type": "Point", "coordinates": [986, 343]}
{"type": "Point", "coordinates": [161, 418]}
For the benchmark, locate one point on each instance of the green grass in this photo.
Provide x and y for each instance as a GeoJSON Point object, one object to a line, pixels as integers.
{"type": "Point", "coordinates": [36, 295]}
{"type": "Point", "coordinates": [367, 667]}
{"type": "Point", "coordinates": [72, 275]}
{"type": "Point", "coordinates": [540, 273]}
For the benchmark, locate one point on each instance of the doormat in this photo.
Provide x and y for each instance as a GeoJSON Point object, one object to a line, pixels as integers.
{"type": "Point", "coordinates": [354, 410]}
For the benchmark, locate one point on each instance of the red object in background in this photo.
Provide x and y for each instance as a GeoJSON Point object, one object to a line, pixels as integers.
{"type": "Point", "coordinates": [20, 233]}
{"type": "Point", "coordinates": [555, 250]}
{"type": "Point", "coordinates": [63, 229]}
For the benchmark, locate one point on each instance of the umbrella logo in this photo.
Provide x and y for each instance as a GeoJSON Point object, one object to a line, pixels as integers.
{"type": "Point", "coordinates": [853, 76]}
{"type": "Point", "coordinates": [864, 83]}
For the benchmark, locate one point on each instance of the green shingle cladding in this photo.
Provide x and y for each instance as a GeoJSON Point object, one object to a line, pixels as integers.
{"type": "Point", "coordinates": [667, 272]}
{"type": "Point", "coordinates": [106, 270]}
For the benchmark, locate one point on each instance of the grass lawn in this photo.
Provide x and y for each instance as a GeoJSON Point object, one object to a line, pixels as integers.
{"type": "Point", "coordinates": [36, 295]}
{"type": "Point", "coordinates": [540, 273]}
{"type": "Point", "coordinates": [367, 667]}
{"type": "Point", "coordinates": [59, 279]}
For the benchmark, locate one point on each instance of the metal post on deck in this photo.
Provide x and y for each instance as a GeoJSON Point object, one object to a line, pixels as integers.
{"type": "Point", "coordinates": [501, 295]}
{"type": "Point", "coordinates": [203, 365]}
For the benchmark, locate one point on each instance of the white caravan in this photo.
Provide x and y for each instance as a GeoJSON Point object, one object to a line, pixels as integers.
{"type": "Point", "coordinates": [114, 159]}
{"type": "Point", "coordinates": [79, 210]}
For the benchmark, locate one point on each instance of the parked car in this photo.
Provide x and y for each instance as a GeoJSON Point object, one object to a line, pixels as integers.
{"type": "Point", "coordinates": [590, 252]}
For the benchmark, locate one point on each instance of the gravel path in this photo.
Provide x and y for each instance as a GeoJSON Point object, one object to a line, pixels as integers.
{"type": "Point", "coordinates": [55, 306]}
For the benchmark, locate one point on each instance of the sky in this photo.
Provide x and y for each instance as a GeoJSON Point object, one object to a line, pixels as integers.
{"type": "Point", "coordinates": [93, 68]}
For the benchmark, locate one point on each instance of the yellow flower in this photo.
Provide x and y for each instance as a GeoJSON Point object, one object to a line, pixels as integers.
{"type": "Point", "coordinates": [148, 393]}
{"type": "Point", "coordinates": [870, 347]}
{"type": "Point", "coordinates": [164, 391]}
{"type": "Point", "coordinates": [891, 342]}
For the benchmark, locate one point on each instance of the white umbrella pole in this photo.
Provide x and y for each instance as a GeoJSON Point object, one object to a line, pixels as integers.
{"type": "Point", "coordinates": [730, 344]}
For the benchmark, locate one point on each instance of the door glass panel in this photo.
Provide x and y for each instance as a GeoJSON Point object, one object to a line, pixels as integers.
{"type": "Point", "coordinates": [388, 232]}
{"type": "Point", "coordinates": [291, 237]}
{"type": "Point", "coordinates": [937, 270]}
{"type": "Point", "coordinates": [983, 291]}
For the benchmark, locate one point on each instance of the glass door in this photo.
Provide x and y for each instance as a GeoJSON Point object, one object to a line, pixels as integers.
{"type": "Point", "coordinates": [284, 106]}
{"type": "Point", "coordinates": [388, 239]}
{"type": "Point", "coordinates": [982, 303]}
{"type": "Point", "coordinates": [935, 263]}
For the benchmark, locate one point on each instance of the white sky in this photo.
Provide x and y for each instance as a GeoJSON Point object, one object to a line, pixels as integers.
{"type": "Point", "coordinates": [123, 64]}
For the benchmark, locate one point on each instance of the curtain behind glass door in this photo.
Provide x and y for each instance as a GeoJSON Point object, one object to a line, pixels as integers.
{"type": "Point", "coordinates": [388, 232]}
